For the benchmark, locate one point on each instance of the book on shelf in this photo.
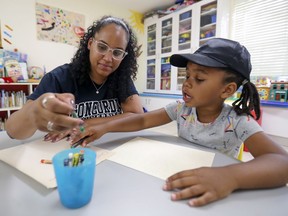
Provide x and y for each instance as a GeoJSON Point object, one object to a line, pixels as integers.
{"type": "Point", "coordinates": [10, 99]}
{"type": "Point", "coordinates": [2, 124]}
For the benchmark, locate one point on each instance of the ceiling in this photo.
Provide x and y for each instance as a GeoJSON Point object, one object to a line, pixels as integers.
{"type": "Point", "coordinates": [142, 6]}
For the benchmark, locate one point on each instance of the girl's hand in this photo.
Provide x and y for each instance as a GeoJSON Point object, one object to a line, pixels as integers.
{"type": "Point", "coordinates": [203, 185]}
{"type": "Point", "coordinates": [88, 135]}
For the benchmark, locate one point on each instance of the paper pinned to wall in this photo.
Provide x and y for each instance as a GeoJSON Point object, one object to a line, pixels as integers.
{"type": "Point", "coordinates": [160, 159]}
{"type": "Point", "coordinates": [26, 158]}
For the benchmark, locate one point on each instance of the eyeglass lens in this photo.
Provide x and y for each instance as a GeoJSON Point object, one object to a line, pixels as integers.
{"type": "Point", "coordinates": [103, 48]}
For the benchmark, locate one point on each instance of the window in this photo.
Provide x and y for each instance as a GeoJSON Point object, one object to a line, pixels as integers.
{"type": "Point", "coordinates": [262, 26]}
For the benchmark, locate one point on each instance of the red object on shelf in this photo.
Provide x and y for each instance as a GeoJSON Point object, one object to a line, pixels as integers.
{"type": "Point", "coordinates": [259, 122]}
{"type": "Point", "coordinates": [8, 79]}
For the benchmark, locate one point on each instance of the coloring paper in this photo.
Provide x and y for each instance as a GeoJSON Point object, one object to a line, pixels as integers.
{"type": "Point", "coordinates": [26, 158]}
{"type": "Point", "coordinates": [160, 159]}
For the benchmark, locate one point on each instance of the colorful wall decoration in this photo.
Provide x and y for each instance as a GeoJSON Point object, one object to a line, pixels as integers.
{"type": "Point", "coordinates": [57, 25]}
{"type": "Point", "coordinates": [6, 36]}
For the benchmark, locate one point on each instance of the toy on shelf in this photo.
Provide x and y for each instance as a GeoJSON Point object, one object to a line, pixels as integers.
{"type": "Point", "coordinates": [13, 70]}
{"type": "Point", "coordinates": [179, 4]}
{"type": "Point", "coordinates": [263, 84]}
{"type": "Point", "coordinates": [279, 91]}
{"type": "Point", "coordinates": [263, 92]}
{"type": "Point", "coordinates": [35, 73]}
{"type": "Point", "coordinates": [13, 64]}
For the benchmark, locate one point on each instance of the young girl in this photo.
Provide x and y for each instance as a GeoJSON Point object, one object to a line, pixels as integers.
{"type": "Point", "coordinates": [214, 72]}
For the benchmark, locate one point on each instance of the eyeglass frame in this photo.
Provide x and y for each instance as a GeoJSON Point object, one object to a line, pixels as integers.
{"type": "Point", "coordinates": [110, 49]}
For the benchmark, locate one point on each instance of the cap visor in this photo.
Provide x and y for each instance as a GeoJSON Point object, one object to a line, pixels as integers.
{"type": "Point", "coordinates": [181, 60]}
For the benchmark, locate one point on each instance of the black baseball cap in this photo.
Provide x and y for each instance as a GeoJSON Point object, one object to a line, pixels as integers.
{"type": "Point", "coordinates": [220, 53]}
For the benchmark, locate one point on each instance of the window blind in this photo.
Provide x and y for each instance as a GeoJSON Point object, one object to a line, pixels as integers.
{"type": "Point", "coordinates": [262, 27]}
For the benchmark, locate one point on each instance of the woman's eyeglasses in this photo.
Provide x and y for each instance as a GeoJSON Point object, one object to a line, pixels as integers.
{"type": "Point", "coordinates": [102, 48]}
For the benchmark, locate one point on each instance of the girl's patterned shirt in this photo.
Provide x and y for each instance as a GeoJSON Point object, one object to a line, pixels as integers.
{"type": "Point", "coordinates": [225, 134]}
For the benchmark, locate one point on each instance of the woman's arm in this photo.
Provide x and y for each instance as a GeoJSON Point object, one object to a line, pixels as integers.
{"type": "Point", "coordinates": [20, 124]}
{"type": "Point", "coordinates": [132, 105]}
{"type": "Point", "coordinates": [36, 115]}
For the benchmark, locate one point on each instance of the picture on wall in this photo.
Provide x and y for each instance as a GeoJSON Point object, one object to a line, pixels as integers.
{"type": "Point", "coordinates": [58, 25]}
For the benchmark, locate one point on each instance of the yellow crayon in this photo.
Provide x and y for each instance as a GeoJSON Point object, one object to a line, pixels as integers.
{"type": "Point", "coordinates": [75, 159]}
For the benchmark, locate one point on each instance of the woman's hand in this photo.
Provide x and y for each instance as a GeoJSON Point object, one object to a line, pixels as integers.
{"type": "Point", "coordinates": [203, 185]}
{"type": "Point", "coordinates": [51, 112]}
{"type": "Point", "coordinates": [56, 136]}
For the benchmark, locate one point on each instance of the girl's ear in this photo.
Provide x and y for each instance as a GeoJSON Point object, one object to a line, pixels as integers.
{"type": "Point", "coordinates": [228, 90]}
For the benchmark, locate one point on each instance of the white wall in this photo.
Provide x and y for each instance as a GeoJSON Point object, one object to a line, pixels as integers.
{"type": "Point", "coordinates": [275, 120]}
{"type": "Point", "coordinates": [20, 15]}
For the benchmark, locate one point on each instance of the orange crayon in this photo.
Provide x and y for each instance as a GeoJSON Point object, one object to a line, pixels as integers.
{"type": "Point", "coordinates": [44, 161]}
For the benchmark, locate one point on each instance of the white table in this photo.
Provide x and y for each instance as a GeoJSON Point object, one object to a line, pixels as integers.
{"type": "Point", "coordinates": [119, 190]}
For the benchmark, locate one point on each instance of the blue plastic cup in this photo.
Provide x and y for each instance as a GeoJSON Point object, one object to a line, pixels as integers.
{"type": "Point", "coordinates": [75, 183]}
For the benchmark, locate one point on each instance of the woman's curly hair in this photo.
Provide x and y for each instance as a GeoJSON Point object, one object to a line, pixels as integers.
{"type": "Point", "coordinates": [118, 81]}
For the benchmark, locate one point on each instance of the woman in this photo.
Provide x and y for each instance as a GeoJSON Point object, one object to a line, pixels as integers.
{"type": "Point", "coordinates": [97, 83]}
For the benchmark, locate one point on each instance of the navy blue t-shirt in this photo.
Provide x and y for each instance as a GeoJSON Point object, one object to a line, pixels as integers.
{"type": "Point", "coordinates": [88, 103]}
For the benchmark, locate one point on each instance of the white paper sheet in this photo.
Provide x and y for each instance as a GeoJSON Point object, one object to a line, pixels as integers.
{"type": "Point", "coordinates": [27, 157]}
{"type": "Point", "coordinates": [159, 159]}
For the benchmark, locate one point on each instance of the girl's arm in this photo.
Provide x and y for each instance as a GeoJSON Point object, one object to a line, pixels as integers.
{"type": "Point", "coordinates": [207, 184]}
{"type": "Point", "coordinates": [133, 122]}
{"type": "Point", "coordinates": [270, 164]}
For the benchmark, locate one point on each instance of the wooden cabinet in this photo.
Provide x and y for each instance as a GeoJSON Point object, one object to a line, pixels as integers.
{"type": "Point", "coordinates": [12, 98]}
{"type": "Point", "coordinates": [180, 32]}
